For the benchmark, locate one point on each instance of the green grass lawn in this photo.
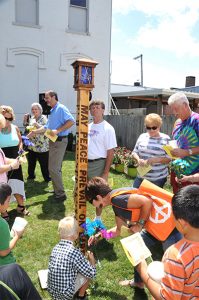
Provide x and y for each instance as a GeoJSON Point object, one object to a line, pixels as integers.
{"type": "Point", "coordinates": [33, 250]}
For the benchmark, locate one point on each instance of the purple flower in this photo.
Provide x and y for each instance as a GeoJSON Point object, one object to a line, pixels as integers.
{"type": "Point", "coordinates": [106, 235]}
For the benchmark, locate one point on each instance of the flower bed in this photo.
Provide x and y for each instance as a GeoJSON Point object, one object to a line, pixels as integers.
{"type": "Point", "coordinates": [123, 159]}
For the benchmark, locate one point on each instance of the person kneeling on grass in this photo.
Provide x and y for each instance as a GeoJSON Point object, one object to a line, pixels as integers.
{"type": "Point", "coordinates": [69, 271]}
{"type": "Point", "coordinates": [6, 243]}
{"type": "Point", "coordinates": [181, 260]}
{"type": "Point", "coordinates": [131, 207]}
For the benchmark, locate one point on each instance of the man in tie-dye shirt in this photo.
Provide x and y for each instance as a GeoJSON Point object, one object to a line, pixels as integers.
{"type": "Point", "coordinates": [186, 133]}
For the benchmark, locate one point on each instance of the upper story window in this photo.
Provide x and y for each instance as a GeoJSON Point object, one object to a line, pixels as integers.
{"type": "Point", "coordinates": [27, 12]}
{"type": "Point", "coordinates": [78, 16]}
{"type": "Point", "coordinates": [81, 3]}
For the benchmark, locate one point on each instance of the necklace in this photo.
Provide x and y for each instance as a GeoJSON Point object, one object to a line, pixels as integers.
{"type": "Point", "coordinates": [6, 130]}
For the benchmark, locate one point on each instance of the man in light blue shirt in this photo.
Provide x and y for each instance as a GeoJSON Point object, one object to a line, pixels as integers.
{"type": "Point", "coordinates": [59, 122]}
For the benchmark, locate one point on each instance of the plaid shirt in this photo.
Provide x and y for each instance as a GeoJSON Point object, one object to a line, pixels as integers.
{"type": "Point", "coordinates": [65, 263]}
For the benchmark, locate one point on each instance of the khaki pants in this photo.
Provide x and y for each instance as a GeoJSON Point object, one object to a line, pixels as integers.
{"type": "Point", "coordinates": [96, 168]}
{"type": "Point", "coordinates": [56, 156]}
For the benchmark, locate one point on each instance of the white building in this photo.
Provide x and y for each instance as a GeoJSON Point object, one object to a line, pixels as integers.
{"type": "Point", "coordinates": [39, 40]}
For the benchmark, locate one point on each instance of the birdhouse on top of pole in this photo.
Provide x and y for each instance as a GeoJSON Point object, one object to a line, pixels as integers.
{"type": "Point", "coordinates": [84, 73]}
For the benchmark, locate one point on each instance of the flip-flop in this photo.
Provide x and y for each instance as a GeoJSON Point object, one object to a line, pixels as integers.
{"type": "Point", "coordinates": [131, 283]}
{"type": "Point", "coordinates": [21, 209]}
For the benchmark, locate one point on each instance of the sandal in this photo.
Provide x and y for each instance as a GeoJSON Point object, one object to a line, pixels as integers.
{"type": "Point", "coordinates": [5, 215]}
{"type": "Point", "coordinates": [21, 209]}
{"type": "Point", "coordinates": [131, 283]}
{"type": "Point", "coordinates": [77, 297]}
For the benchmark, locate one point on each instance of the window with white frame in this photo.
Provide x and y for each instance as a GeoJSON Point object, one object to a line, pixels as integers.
{"type": "Point", "coordinates": [27, 12]}
{"type": "Point", "coordinates": [78, 16]}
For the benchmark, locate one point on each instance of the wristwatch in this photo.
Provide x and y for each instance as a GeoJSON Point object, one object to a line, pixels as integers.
{"type": "Point", "coordinates": [142, 222]}
{"type": "Point", "coordinates": [190, 151]}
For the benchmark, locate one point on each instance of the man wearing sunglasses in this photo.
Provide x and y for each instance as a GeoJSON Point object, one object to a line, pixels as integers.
{"type": "Point", "coordinates": [149, 152]}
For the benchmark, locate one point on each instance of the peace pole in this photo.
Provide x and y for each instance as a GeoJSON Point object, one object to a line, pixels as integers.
{"type": "Point", "coordinates": [83, 84]}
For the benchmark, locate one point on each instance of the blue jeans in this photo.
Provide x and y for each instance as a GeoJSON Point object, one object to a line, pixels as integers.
{"type": "Point", "coordinates": [158, 182]}
{"type": "Point", "coordinates": [152, 243]}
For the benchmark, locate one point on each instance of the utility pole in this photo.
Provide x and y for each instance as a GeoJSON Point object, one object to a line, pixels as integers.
{"type": "Point", "coordinates": [141, 66]}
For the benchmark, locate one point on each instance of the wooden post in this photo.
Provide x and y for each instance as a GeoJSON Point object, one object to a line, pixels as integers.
{"type": "Point", "coordinates": [159, 105]}
{"type": "Point", "coordinates": [83, 84]}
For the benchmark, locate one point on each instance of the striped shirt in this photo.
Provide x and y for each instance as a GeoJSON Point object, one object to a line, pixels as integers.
{"type": "Point", "coordinates": [147, 147]}
{"type": "Point", "coordinates": [181, 266]}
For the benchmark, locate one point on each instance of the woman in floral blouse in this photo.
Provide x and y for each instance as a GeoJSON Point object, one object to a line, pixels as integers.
{"type": "Point", "coordinates": [40, 149]}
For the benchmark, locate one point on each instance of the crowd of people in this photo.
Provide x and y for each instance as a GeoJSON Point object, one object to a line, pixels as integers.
{"type": "Point", "coordinates": [69, 271]}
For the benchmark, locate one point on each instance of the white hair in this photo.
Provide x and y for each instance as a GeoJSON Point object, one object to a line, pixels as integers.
{"type": "Point", "coordinates": [38, 106]}
{"type": "Point", "coordinates": [68, 227]}
{"type": "Point", "coordinates": [179, 98]}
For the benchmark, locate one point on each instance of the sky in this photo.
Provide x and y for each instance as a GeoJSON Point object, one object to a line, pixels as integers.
{"type": "Point", "coordinates": [165, 32]}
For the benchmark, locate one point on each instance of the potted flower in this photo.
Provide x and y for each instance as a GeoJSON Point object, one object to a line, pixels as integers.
{"type": "Point", "coordinates": [118, 158]}
{"type": "Point", "coordinates": [131, 163]}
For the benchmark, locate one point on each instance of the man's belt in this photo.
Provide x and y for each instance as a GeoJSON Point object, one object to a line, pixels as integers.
{"type": "Point", "coordinates": [60, 138]}
{"type": "Point", "coordinates": [91, 160]}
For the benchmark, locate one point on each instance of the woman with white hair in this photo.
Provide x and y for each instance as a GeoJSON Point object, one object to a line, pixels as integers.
{"type": "Point", "coordinates": [40, 150]}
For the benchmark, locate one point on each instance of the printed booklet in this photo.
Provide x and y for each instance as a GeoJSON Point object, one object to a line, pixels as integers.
{"type": "Point", "coordinates": [135, 248]}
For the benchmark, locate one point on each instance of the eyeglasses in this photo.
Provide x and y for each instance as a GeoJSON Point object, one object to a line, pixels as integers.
{"type": "Point", "coordinates": [9, 119]}
{"type": "Point", "coordinates": [151, 128]}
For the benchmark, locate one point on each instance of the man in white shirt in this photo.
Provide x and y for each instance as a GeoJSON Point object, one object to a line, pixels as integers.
{"type": "Point", "coordinates": [101, 144]}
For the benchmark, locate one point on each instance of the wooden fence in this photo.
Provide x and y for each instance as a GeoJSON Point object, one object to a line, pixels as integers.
{"type": "Point", "coordinates": [129, 127]}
